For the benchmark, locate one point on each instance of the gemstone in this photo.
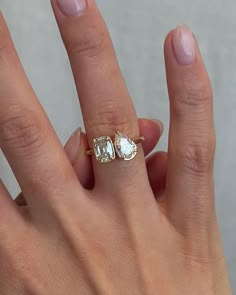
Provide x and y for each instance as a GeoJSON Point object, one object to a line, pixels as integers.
{"type": "Point", "coordinates": [125, 148]}
{"type": "Point", "coordinates": [104, 149]}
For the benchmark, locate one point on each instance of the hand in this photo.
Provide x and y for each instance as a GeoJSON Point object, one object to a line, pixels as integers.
{"type": "Point", "coordinates": [116, 238]}
{"type": "Point", "coordinates": [77, 145]}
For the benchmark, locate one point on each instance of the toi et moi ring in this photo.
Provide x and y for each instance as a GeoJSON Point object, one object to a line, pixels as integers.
{"type": "Point", "coordinates": [105, 150]}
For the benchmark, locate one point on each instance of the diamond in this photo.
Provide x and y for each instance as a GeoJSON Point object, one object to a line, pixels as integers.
{"type": "Point", "coordinates": [104, 149]}
{"type": "Point", "coordinates": [125, 148]}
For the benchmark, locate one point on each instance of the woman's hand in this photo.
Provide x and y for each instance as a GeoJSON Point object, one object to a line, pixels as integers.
{"type": "Point", "coordinates": [115, 238]}
{"type": "Point", "coordinates": [77, 145]}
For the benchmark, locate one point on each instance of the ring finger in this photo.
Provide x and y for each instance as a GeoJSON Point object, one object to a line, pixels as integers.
{"type": "Point", "coordinates": [104, 99]}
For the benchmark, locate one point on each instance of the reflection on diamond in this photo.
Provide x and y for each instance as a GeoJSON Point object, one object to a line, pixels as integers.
{"type": "Point", "coordinates": [125, 148]}
{"type": "Point", "coordinates": [103, 149]}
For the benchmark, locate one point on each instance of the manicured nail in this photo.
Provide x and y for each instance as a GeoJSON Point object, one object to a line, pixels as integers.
{"type": "Point", "coordinates": [184, 45]}
{"type": "Point", "coordinates": [72, 146]}
{"type": "Point", "coordinates": [159, 124]}
{"type": "Point", "coordinates": [72, 7]}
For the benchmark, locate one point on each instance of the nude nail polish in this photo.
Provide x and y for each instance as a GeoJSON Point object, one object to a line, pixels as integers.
{"type": "Point", "coordinates": [72, 7]}
{"type": "Point", "coordinates": [184, 45]}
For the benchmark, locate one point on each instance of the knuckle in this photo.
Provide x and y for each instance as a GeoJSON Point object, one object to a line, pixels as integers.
{"type": "Point", "coordinates": [192, 94]}
{"type": "Point", "coordinates": [111, 118]}
{"type": "Point", "coordinates": [197, 158]}
{"type": "Point", "coordinates": [21, 128]}
{"type": "Point", "coordinates": [90, 42]}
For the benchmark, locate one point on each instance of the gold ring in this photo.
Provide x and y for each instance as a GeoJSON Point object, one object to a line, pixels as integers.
{"type": "Point", "coordinates": [106, 150]}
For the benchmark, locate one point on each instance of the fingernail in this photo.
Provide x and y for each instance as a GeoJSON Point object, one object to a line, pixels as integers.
{"type": "Point", "coordinates": [73, 145]}
{"type": "Point", "coordinates": [77, 133]}
{"type": "Point", "coordinates": [159, 124]}
{"type": "Point", "coordinates": [184, 45]}
{"type": "Point", "coordinates": [72, 7]}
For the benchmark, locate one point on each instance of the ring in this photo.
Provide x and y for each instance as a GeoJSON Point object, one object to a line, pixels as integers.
{"type": "Point", "coordinates": [106, 150]}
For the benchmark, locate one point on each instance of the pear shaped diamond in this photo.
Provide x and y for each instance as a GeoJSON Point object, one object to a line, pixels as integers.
{"type": "Point", "coordinates": [125, 148]}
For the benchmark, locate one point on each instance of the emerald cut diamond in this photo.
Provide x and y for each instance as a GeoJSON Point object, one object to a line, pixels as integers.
{"type": "Point", "coordinates": [104, 149]}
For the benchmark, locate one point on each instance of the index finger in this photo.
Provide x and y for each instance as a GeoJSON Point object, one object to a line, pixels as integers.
{"type": "Point", "coordinates": [26, 135]}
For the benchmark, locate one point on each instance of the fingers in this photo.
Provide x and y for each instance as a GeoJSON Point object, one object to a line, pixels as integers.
{"type": "Point", "coordinates": [157, 170]}
{"type": "Point", "coordinates": [152, 130]}
{"type": "Point", "coordinates": [105, 102]}
{"type": "Point", "coordinates": [103, 96]}
{"type": "Point", "coordinates": [77, 146]}
{"type": "Point", "coordinates": [192, 136]}
{"type": "Point", "coordinates": [26, 136]}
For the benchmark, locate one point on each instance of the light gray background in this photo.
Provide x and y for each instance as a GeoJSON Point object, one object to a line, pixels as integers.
{"type": "Point", "coordinates": [138, 28]}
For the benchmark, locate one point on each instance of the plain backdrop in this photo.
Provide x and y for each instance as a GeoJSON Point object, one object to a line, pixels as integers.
{"type": "Point", "coordinates": [138, 29]}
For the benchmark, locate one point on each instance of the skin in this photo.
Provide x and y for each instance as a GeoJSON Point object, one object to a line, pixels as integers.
{"type": "Point", "coordinates": [118, 237]}
{"type": "Point", "coordinates": [156, 164]}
